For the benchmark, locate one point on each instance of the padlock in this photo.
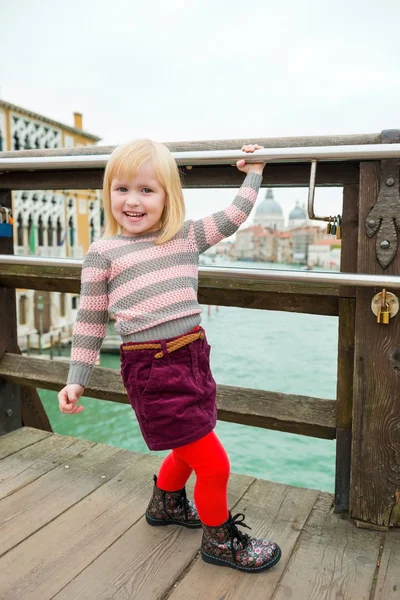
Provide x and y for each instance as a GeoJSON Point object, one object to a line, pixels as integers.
{"type": "Point", "coordinates": [5, 225]}
{"type": "Point", "coordinates": [333, 227]}
{"type": "Point", "coordinates": [383, 315]}
{"type": "Point", "coordinates": [328, 226]}
{"type": "Point", "coordinates": [339, 228]}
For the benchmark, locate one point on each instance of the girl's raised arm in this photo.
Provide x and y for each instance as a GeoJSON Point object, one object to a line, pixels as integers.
{"type": "Point", "coordinates": [212, 229]}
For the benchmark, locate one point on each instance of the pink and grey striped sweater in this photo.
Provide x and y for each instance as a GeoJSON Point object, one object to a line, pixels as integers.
{"type": "Point", "coordinates": [150, 289]}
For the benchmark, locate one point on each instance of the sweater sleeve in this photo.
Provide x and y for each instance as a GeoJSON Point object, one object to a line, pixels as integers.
{"type": "Point", "coordinates": [92, 318]}
{"type": "Point", "coordinates": [212, 229]}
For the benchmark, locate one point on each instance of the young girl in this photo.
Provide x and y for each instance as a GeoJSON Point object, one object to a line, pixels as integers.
{"type": "Point", "coordinates": [145, 271]}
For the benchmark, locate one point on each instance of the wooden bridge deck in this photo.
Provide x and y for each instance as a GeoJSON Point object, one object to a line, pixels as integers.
{"type": "Point", "coordinates": [72, 527]}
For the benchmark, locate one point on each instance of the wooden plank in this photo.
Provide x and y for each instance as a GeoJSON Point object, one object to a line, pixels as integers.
{"type": "Point", "coordinates": [36, 504]}
{"type": "Point", "coordinates": [19, 439]}
{"type": "Point", "coordinates": [272, 510]}
{"type": "Point", "coordinates": [23, 467]}
{"type": "Point", "coordinates": [332, 559]}
{"type": "Point", "coordinates": [347, 308]}
{"type": "Point", "coordinates": [298, 303]}
{"type": "Point", "coordinates": [376, 436]}
{"type": "Point", "coordinates": [218, 176]}
{"type": "Point", "coordinates": [145, 561]}
{"type": "Point", "coordinates": [49, 559]}
{"type": "Point", "coordinates": [54, 279]}
{"type": "Point", "coordinates": [68, 279]}
{"type": "Point", "coordinates": [10, 396]}
{"type": "Point", "coordinates": [271, 410]}
{"type": "Point", "coordinates": [272, 142]}
{"type": "Point", "coordinates": [388, 583]}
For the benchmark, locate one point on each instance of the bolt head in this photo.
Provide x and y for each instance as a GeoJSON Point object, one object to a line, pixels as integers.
{"type": "Point", "coordinates": [371, 223]}
{"type": "Point", "coordinates": [385, 244]}
{"type": "Point", "coordinates": [390, 181]}
{"type": "Point", "coordinates": [9, 412]}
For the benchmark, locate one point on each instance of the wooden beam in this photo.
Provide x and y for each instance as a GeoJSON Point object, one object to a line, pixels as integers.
{"type": "Point", "coordinates": [230, 144]}
{"type": "Point", "coordinates": [217, 176]}
{"type": "Point", "coordinates": [17, 405]}
{"type": "Point", "coordinates": [284, 412]}
{"type": "Point", "coordinates": [67, 279]}
{"type": "Point", "coordinates": [269, 300]}
{"type": "Point", "coordinates": [348, 264]}
{"type": "Point", "coordinates": [375, 480]}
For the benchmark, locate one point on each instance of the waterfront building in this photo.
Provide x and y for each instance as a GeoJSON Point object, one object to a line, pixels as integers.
{"type": "Point", "coordinates": [325, 253]}
{"type": "Point", "coordinates": [302, 237]}
{"type": "Point", "coordinates": [284, 247]}
{"type": "Point", "coordinates": [255, 243]}
{"type": "Point", "coordinates": [53, 223]}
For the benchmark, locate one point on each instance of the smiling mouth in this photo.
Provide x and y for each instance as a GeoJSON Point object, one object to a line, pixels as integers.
{"type": "Point", "coordinates": [134, 215]}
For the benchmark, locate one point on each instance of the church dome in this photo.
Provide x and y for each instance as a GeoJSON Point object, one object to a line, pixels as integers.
{"type": "Point", "coordinates": [269, 206]}
{"type": "Point", "coordinates": [297, 213]}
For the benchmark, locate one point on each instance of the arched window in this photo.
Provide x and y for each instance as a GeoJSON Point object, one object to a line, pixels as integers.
{"type": "Point", "coordinates": [20, 231]}
{"type": "Point", "coordinates": [50, 231]}
{"type": "Point", "coordinates": [22, 310]}
{"type": "Point", "coordinates": [17, 145]}
{"type": "Point", "coordinates": [92, 231]}
{"type": "Point", "coordinates": [71, 232]}
{"type": "Point", "coordinates": [60, 241]}
{"type": "Point", "coordinates": [40, 231]}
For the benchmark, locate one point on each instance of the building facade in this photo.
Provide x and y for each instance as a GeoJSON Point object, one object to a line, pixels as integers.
{"type": "Point", "coordinates": [49, 223]}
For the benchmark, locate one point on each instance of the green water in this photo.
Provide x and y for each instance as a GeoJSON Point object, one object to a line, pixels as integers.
{"type": "Point", "coordinates": [276, 351]}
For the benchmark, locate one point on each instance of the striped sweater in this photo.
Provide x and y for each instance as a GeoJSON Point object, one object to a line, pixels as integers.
{"type": "Point", "coordinates": [150, 289]}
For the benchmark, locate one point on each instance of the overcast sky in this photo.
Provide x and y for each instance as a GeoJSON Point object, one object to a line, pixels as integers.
{"type": "Point", "coordinates": [207, 69]}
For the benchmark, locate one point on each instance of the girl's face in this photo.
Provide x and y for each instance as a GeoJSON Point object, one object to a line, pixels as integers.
{"type": "Point", "coordinates": [137, 203]}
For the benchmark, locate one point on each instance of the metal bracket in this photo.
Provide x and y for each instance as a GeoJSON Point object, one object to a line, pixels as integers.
{"type": "Point", "coordinates": [385, 215]}
{"type": "Point", "coordinates": [311, 194]}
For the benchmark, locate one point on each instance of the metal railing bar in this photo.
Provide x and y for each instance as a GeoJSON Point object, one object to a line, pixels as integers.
{"type": "Point", "coordinates": [289, 276]}
{"type": "Point", "coordinates": [214, 157]}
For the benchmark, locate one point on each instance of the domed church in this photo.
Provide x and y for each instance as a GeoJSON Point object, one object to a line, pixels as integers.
{"type": "Point", "coordinates": [269, 213]}
{"type": "Point", "coordinates": [298, 216]}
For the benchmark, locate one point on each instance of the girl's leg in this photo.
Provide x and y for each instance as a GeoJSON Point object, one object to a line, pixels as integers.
{"type": "Point", "coordinates": [210, 462]}
{"type": "Point", "coordinates": [174, 473]}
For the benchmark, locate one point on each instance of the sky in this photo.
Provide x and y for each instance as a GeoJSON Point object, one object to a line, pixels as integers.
{"type": "Point", "coordinates": [177, 70]}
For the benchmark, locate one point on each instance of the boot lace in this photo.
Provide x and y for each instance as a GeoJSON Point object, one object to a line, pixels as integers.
{"type": "Point", "coordinates": [235, 533]}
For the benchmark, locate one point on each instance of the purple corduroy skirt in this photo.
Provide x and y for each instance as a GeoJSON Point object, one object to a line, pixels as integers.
{"type": "Point", "coordinates": [174, 397]}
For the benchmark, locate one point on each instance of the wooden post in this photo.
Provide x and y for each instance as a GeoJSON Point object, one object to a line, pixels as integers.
{"type": "Point", "coordinates": [347, 305]}
{"type": "Point", "coordinates": [18, 405]}
{"type": "Point", "coordinates": [375, 465]}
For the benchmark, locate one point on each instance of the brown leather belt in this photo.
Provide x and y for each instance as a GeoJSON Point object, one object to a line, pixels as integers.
{"type": "Point", "coordinates": [184, 340]}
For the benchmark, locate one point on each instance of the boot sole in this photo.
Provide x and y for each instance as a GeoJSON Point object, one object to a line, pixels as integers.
{"type": "Point", "coordinates": [160, 523]}
{"type": "Point", "coordinates": [224, 563]}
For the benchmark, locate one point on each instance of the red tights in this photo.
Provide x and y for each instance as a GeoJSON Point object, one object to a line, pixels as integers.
{"type": "Point", "coordinates": [208, 459]}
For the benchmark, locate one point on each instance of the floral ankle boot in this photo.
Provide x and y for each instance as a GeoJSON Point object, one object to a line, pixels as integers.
{"type": "Point", "coordinates": [171, 508]}
{"type": "Point", "coordinates": [226, 546]}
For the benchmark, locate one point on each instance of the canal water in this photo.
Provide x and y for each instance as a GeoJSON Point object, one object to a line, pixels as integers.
{"type": "Point", "coordinates": [269, 350]}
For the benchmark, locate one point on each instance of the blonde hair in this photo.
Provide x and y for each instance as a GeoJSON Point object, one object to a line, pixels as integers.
{"type": "Point", "coordinates": [125, 161]}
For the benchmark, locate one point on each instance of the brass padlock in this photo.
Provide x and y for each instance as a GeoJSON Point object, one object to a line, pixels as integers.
{"type": "Point", "coordinates": [328, 226]}
{"type": "Point", "coordinates": [385, 305]}
{"type": "Point", "coordinates": [383, 315]}
{"type": "Point", "coordinates": [339, 228]}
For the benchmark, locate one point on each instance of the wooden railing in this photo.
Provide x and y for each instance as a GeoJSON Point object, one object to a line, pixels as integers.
{"type": "Point", "coordinates": [367, 403]}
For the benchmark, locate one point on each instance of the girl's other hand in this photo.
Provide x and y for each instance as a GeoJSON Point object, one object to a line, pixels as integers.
{"type": "Point", "coordinates": [68, 399]}
{"type": "Point", "coordinates": [250, 167]}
